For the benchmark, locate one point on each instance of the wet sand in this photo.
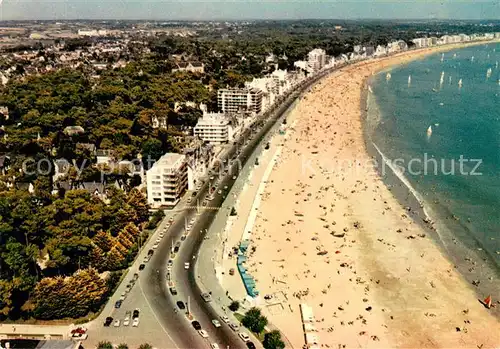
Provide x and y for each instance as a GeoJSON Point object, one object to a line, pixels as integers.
{"type": "Point", "coordinates": [330, 234]}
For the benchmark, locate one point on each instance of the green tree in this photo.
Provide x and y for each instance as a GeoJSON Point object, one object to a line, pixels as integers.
{"type": "Point", "coordinates": [254, 320]}
{"type": "Point", "coordinates": [234, 306]}
{"type": "Point", "coordinates": [104, 345]}
{"type": "Point", "coordinates": [152, 150]}
{"type": "Point", "coordinates": [272, 340]}
{"type": "Point", "coordinates": [145, 346]}
{"type": "Point", "coordinates": [122, 346]}
{"type": "Point", "coordinates": [139, 203]}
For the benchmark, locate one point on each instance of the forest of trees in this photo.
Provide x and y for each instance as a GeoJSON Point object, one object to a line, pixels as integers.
{"type": "Point", "coordinates": [51, 252]}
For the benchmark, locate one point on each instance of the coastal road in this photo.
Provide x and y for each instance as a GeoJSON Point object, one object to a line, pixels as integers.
{"type": "Point", "coordinates": [155, 285]}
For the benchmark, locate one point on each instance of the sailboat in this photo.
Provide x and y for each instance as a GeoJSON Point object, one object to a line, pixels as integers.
{"type": "Point", "coordinates": [388, 76]}
{"type": "Point", "coordinates": [441, 80]}
{"type": "Point", "coordinates": [488, 73]}
{"type": "Point", "coordinates": [449, 80]}
{"type": "Point", "coordinates": [454, 55]}
{"type": "Point", "coordinates": [472, 59]}
{"type": "Point", "coordinates": [496, 64]}
{"type": "Point", "coordinates": [460, 83]}
{"type": "Point", "coordinates": [370, 89]}
{"type": "Point", "coordinates": [487, 302]}
{"type": "Point", "coordinates": [429, 132]}
{"type": "Point", "coordinates": [409, 80]}
{"type": "Point", "coordinates": [442, 57]}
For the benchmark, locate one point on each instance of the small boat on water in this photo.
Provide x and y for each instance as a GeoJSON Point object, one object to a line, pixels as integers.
{"type": "Point", "coordinates": [429, 132]}
{"type": "Point", "coordinates": [370, 89]}
{"type": "Point", "coordinates": [488, 73]}
{"type": "Point", "coordinates": [460, 83]}
{"type": "Point", "coordinates": [441, 79]}
{"type": "Point", "coordinates": [472, 59]}
{"type": "Point", "coordinates": [388, 76]}
{"type": "Point", "coordinates": [442, 57]}
{"type": "Point", "coordinates": [409, 80]}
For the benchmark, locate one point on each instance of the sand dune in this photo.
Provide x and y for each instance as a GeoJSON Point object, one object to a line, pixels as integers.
{"type": "Point", "coordinates": [330, 234]}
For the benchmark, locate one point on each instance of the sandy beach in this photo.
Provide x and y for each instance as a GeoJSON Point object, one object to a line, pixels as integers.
{"type": "Point", "coordinates": [331, 235]}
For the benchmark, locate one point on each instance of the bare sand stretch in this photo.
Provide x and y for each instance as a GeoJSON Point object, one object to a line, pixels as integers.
{"type": "Point", "coordinates": [383, 282]}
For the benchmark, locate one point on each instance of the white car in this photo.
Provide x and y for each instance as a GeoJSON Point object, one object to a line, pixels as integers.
{"type": "Point", "coordinates": [117, 323]}
{"type": "Point", "coordinates": [216, 323]}
{"type": "Point", "coordinates": [186, 265]}
{"type": "Point", "coordinates": [155, 246]}
{"type": "Point", "coordinates": [126, 321]}
{"type": "Point", "coordinates": [220, 192]}
{"type": "Point", "coordinates": [203, 333]}
{"type": "Point", "coordinates": [161, 235]}
{"type": "Point", "coordinates": [189, 226]}
{"type": "Point", "coordinates": [158, 240]}
{"type": "Point", "coordinates": [244, 336]}
{"type": "Point", "coordinates": [214, 346]}
{"type": "Point", "coordinates": [225, 319]}
{"type": "Point", "coordinates": [135, 323]}
{"type": "Point", "coordinates": [189, 200]}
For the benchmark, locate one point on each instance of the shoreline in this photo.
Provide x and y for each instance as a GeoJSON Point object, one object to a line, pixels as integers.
{"type": "Point", "coordinates": [454, 246]}
{"type": "Point", "coordinates": [370, 255]}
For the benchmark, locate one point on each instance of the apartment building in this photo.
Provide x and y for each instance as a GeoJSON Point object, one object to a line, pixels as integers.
{"type": "Point", "coordinates": [167, 180]}
{"type": "Point", "coordinates": [214, 128]}
{"type": "Point", "coordinates": [316, 59]}
{"type": "Point", "coordinates": [240, 100]}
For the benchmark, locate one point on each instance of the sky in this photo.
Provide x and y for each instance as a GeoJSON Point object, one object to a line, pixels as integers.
{"type": "Point", "coordinates": [248, 9]}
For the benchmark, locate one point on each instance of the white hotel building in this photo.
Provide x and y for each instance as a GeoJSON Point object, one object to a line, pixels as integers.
{"type": "Point", "coordinates": [214, 128]}
{"type": "Point", "coordinates": [316, 59]}
{"type": "Point", "coordinates": [240, 100]}
{"type": "Point", "coordinates": [167, 180]}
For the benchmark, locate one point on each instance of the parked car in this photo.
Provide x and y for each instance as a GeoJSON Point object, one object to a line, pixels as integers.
{"type": "Point", "coordinates": [216, 323]}
{"type": "Point", "coordinates": [142, 266]}
{"type": "Point", "coordinates": [214, 345]}
{"type": "Point", "coordinates": [135, 315]}
{"type": "Point", "coordinates": [196, 325]}
{"type": "Point", "coordinates": [135, 277]}
{"type": "Point", "coordinates": [231, 271]}
{"type": "Point", "coordinates": [181, 305]}
{"type": "Point", "coordinates": [244, 336]}
{"type": "Point", "coordinates": [186, 265]}
{"type": "Point", "coordinates": [126, 321]}
{"type": "Point", "coordinates": [203, 333]}
{"type": "Point", "coordinates": [135, 323]}
{"type": "Point", "coordinates": [155, 246]}
{"type": "Point", "coordinates": [234, 327]}
{"type": "Point", "coordinates": [147, 258]}
{"type": "Point", "coordinates": [206, 297]}
{"type": "Point", "coordinates": [250, 345]}
{"type": "Point", "coordinates": [117, 323]}
{"type": "Point", "coordinates": [118, 304]}
{"type": "Point", "coordinates": [151, 252]}
{"type": "Point", "coordinates": [225, 319]}
{"type": "Point", "coordinates": [108, 321]}
{"type": "Point", "coordinates": [177, 246]}
{"type": "Point", "coordinates": [173, 291]}
{"type": "Point", "coordinates": [170, 263]}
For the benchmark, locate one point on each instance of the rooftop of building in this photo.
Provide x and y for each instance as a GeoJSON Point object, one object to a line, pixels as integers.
{"type": "Point", "coordinates": [169, 160]}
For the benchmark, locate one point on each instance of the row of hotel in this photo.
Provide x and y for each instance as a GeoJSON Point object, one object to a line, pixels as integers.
{"type": "Point", "coordinates": [173, 174]}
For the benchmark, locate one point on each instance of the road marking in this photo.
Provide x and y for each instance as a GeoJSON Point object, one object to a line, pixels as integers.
{"type": "Point", "coordinates": [156, 317]}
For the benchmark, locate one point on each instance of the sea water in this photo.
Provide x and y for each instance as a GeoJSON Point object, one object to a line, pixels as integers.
{"type": "Point", "coordinates": [454, 165]}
